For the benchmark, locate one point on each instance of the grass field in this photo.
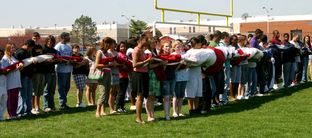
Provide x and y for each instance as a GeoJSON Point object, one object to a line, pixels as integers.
{"type": "Point", "coordinates": [286, 113]}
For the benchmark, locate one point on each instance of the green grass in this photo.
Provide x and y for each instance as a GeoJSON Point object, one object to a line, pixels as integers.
{"type": "Point", "coordinates": [286, 113]}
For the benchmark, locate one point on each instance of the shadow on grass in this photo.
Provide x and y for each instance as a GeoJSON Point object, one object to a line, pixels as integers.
{"type": "Point", "coordinates": [232, 107]}
{"type": "Point", "coordinates": [252, 103]}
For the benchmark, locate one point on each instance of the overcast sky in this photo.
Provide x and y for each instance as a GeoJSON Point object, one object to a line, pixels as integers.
{"type": "Point", "coordinates": [44, 13]}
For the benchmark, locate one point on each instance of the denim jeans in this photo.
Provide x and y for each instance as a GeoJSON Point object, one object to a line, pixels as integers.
{"type": "Point", "coordinates": [63, 80]}
{"type": "Point", "coordinates": [305, 62]}
{"type": "Point", "coordinates": [252, 82]}
{"type": "Point", "coordinates": [288, 73]}
{"type": "Point", "coordinates": [180, 89]}
{"type": "Point", "coordinates": [123, 85]}
{"type": "Point", "coordinates": [25, 97]}
{"type": "Point", "coordinates": [49, 90]}
{"type": "Point", "coordinates": [227, 77]}
{"type": "Point", "coordinates": [219, 82]}
{"type": "Point", "coordinates": [168, 87]}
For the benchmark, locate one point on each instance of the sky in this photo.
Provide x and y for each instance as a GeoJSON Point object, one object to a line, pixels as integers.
{"type": "Point", "coordinates": [43, 13]}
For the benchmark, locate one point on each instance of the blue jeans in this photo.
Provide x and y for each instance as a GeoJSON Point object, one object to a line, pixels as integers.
{"type": "Point", "coordinates": [252, 82]}
{"type": "Point", "coordinates": [305, 62]}
{"type": "Point", "coordinates": [49, 90]}
{"type": "Point", "coordinates": [168, 87]}
{"type": "Point", "coordinates": [212, 85]}
{"type": "Point", "coordinates": [63, 80]}
{"type": "Point", "coordinates": [25, 97]}
{"type": "Point", "coordinates": [227, 77]}
{"type": "Point", "coordinates": [180, 89]}
{"type": "Point", "coordinates": [288, 73]}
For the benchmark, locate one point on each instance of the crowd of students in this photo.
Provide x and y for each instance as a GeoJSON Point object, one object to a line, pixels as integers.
{"type": "Point", "coordinates": [149, 68]}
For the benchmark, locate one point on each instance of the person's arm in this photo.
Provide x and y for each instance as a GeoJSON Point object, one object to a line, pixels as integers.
{"type": "Point", "coordinates": [98, 60]}
{"type": "Point", "coordinates": [135, 62]}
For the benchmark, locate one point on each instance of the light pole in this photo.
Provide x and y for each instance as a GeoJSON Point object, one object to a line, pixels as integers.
{"type": "Point", "coordinates": [267, 12]}
{"type": "Point", "coordinates": [128, 19]}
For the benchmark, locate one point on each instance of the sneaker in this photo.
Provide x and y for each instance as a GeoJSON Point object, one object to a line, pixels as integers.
{"type": "Point", "coordinates": [81, 105]}
{"type": "Point", "coordinates": [132, 108]}
{"type": "Point", "coordinates": [47, 110]}
{"type": "Point", "coordinates": [35, 111]}
{"type": "Point", "coordinates": [167, 118]}
{"type": "Point", "coordinates": [175, 115]}
{"type": "Point", "coordinates": [181, 115]}
{"type": "Point", "coordinates": [150, 119]}
{"type": "Point", "coordinates": [119, 110]}
{"type": "Point", "coordinates": [91, 105]}
{"type": "Point", "coordinates": [275, 87]}
{"type": "Point", "coordinates": [259, 95]}
{"type": "Point", "coordinates": [239, 97]}
{"type": "Point", "coordinates": [246, 97]}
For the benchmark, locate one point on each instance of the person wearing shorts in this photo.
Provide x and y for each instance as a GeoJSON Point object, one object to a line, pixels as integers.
{"type": "Point", "coordinates": [105, 83]}
{"type": "Point", "coordinates": [80, 72]}
{"type": "Point", "coordinates": [140, 78]}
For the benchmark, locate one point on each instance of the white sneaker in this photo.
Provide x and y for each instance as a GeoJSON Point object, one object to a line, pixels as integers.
{"type": "Point", "coordinates": [259, 95]}
{"type": "Point", "coordinates": [275, 87]}
{"type": "Point", "coordinates": [47, 110]}
{"type": "Point", "coordinates": [132, 107]}
{"type": "Point", "coordinates": [35, 111]}
{"type": "Point", "coordinates": [239, 97]}
{"type": "Point", "coordinates": [246, 97]}
{"type": "Point", "coordinates": [181, 115]}
{"type": "Point", "coordinates": [81, 105]}
{"type": "Point", "coordinates": [175, 115]}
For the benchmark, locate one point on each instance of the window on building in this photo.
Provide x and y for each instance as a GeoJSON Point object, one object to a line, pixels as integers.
{"type": "Point", "coordinates": [190, 29]}
{"type": "Point", "coordinates": [170, 31]}
{"type": "Point", "coordinates": [193, 29]}
{"type": "Point", "coordinates": [174, 30]}
{"type": "Point", "coordinates": [209, 29]}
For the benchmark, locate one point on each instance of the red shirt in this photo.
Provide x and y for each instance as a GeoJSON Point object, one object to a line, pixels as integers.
{"type": "Point", "coordinates": [123, 73]}
{"type": "Point", "coordinates": [141, 57]}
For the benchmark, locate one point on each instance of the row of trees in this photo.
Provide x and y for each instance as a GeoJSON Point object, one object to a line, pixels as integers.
{"type": "Point", "coordinates": [84, 30]}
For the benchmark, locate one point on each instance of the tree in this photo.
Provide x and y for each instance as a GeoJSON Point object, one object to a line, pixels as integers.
{"type": "Point", "coordinates": [137, 27]}
{"type": "Point", "coordinates": [84, 31]}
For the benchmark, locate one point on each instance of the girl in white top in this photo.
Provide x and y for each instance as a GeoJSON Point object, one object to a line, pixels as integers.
{"type": "Point", "coordinates": [114, 79]}
{"type": "Point", "coordinates": [91, 84]}
{"type": "Point", "coordinates": [182, 77]}
{"type": "Point", "coordinates": [13, 79]}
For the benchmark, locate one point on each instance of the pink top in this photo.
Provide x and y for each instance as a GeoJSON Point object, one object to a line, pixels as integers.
{"type": "Point", "coordinates": [123, 73]}
{"type": "Point", "coordinates": [141, 58]}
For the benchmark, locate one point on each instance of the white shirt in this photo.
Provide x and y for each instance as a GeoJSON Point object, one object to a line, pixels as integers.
{"type": "Point", "coordinates": [13, 79]}
{"type": "Point", "coordinates": [296, 44]}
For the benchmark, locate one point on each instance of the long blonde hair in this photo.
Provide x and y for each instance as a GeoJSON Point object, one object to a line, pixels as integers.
{"type": "Point", "coordinates": [7, 50]}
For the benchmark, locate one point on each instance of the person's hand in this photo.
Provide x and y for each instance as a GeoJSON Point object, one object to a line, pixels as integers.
{"type": "Point", "coordinates": [34, 61]}
{"type": "Point", "coordinates": [20, 66]}
{"type": "Point", "coordinates": [149, 59]}
{"type": "Point", "coordinates": [164, 62]}
{"type": "Point", "coordinates": [273, 60]}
